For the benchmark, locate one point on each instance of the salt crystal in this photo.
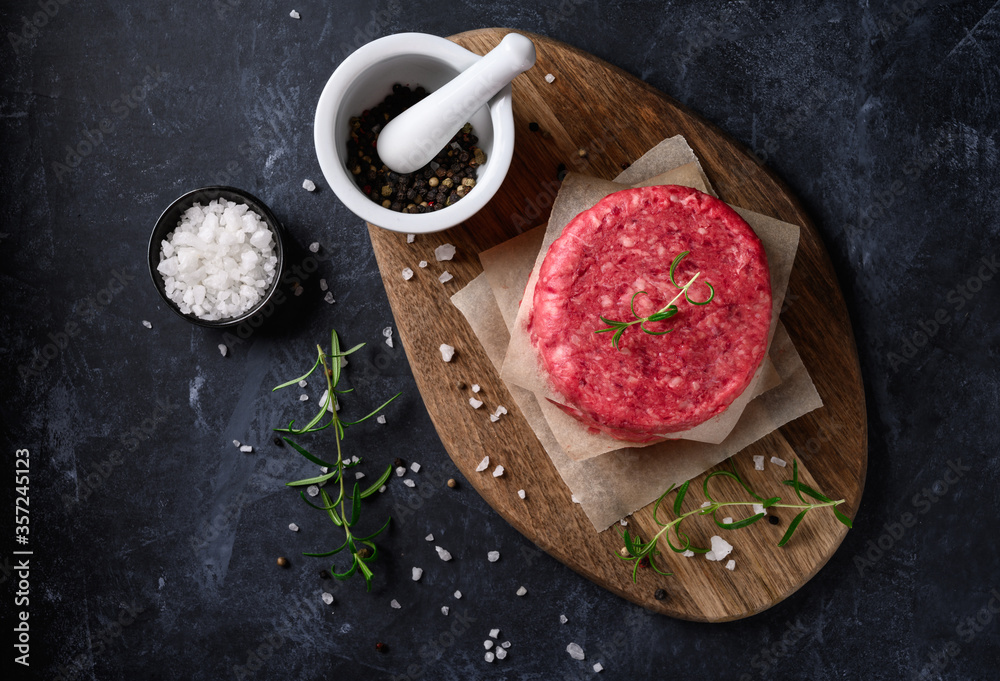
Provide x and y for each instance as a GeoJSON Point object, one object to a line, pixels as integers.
{"type": "Point", "coordinates": [598, 667]}
{"type": "Point", "coordinates": [575, 651]}
{"type": "Point", "coordinates": [778, 462]}
{"type": "Point", "coordinates": [731, 565]}
{"type": "Point", "coordinates": [358, 475]}
{"type": "Point", "coordinates": [445, 609]}
{"type": "Point", "coordinates": [494, 633]}
{"type": "Point", "coordinates": [312, 490]}
{"type": "Point", "coordinates": [688, 554]}
{"type": "Point", "coordinates": [327, 598]}
{"type": "Point", "coordinates": [520, 493]}
{"type": "Point", "coordinates": [308, 185]}
{"type": "Point", "coordinates": [446, 276]}
{"type": "Point", "coordinates": [493, 556]}
{"type": "Point", "coordinates": [498, 471]}
{"type": "Point", "coordinates": [409, 483]}
{"type": "Point", "coordinates": [458, 594]}
{"type": "Point", "coordinates": [444, 252]}
{"type": "Point", "coordinates": [223, 350]}
{"type": "Point", "coordinates": [303, 384]}
{"type": "Point", "coordinates": [476, 404]}
{"type": "Point", "coordinates": [147, 324]}
{"type": "Point", "coordinates": [395, 604]}
{"type": "Point", "coordinates": [623, 522]}
{"type": "Point", "coordinates": [720, 548]}
{"type": "Point", "coordinates": [475, 387]}
{"type": "Point", "coordinates": [505, 644]}
{"type": "Point", "coordinates": [295, 15]}
{"type": "Point", "coordinates": [422, 264]}
{"type": "Point", "coordinates": [410, 238]}
{"type": "Point", "coordinates": [706, 504]}
{"type": "Point", "coordinates": [380, 419]}
{"type": "Point", "coordinates": [444, 555]}
{"type": "Point", "coordinates": [329, 297]}
{"type": "Point", "coordinates": [501, 653]}
{"type": "Point", "coordinates": [236, 443]}
{"type": "Point", "coordinates": [303, 398]}
{"type": "Point", "coordinates": [483, 465]}
{"type": "Point", "coordinates": [489, 657]}
{"type": "Point", "coordinates": [487, 644]}
{"type": "Point", "coordinates": [758, 462]}
{"type": "Point", "coordinates": [355, 459]}
{"type": "Point", "coordinates": [314, 247]}
{"type": "Point", "coordinates": [574, 499]}
{"type": "Point", "coordinates": [521, 591]}
{"type": "Point", "coordinates": [417, 573]}
{"type": "Point", "coordinates": [759, 508]}
{"type": "Point", "coordinates": [447, 352]}
{"type": "Point", "coordinates": [407, 274]}
{"type": "Point", "coordinates": [387, 332]}
{"type": "Point", "coordinates": [400, 471]}
{"type": "Point", "coordinates": [563, 619]}
{"type": "Point", "coordinates": [381, 489]}
{"type": "Point", "coordinates": [293, 527]}
{"type": "Point", "coordinates": [548, 79]}
{"type": "Point", "coordinates": [429, 537]}
{"type": "Point", "coordinates": [246, 449]}
{"type": "Point", "coordinates": [322, 285]}
{"type": "Point", "coordinates": [727, 521]}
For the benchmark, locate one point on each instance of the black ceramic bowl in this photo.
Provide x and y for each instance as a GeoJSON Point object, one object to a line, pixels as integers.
{"type": "Point", "coordinates": [167, 222]}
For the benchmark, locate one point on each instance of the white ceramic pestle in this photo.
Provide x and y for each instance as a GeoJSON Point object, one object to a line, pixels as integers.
{"type": "Point", "coordinates": [413, 138]}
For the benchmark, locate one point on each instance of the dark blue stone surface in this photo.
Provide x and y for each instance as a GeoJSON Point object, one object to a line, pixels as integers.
{"type": "Point", "coordinates": [154, 539]}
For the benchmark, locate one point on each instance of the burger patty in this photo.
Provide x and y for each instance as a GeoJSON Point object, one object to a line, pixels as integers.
{"type": "Point", "coordinates": [626, 243]}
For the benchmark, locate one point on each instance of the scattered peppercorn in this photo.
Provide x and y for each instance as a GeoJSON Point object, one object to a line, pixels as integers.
{"type": "Point", "coordinates": [660, 594]}
{"type": "Point", "coordinates": [398, 463]}
{"type": "Point", "coordinates": [278, 441]}
{"type": "Point", "coordinates": [381, 647]}
{"type": "Point", "coordinates": [424, 190]}
{"type": "Point", "coordinates": [582, 153]}
{"type": "Point", "coordinates": [561, 172]}
{"type": "Point", "coordinates": [773, 519]}
{"type": "Point", "coordinates": [532, 126]}
{"type": "Point", "coordinates": [452, 483]}
{"type": "Point", "coordinates": [324, 574]}
{"type": "Point", "coordinates": [364, 552]}
{"type": "Point", "coordinates": [282, 561]}
{"type": "Point", "coordinates": [461, 385]}
{"type": "Point", "coordinates": [625, 165]}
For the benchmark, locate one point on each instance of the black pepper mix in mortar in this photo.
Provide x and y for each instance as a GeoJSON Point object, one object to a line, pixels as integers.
{"type": "Point", "coordinates": [442, 182]}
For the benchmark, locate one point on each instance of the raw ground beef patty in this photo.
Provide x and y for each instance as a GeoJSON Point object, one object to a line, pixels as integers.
{"type": "Point", "coordinates": [655, 384]}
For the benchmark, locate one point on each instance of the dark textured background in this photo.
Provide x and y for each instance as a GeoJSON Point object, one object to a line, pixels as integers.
{"type": "Point", "coordinates": [883, 117]}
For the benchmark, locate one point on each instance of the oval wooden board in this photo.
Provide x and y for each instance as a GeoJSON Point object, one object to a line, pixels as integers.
{"type": "Point", "coordinates": [617, 118]}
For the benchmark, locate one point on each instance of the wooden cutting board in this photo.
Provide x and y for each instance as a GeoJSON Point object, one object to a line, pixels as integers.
{"type": "Point", "coordinates": [616, 118]}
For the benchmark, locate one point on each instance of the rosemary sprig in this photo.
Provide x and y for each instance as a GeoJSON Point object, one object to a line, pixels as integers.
{"type": "Point", "coordinates": [362, 549]}
{"type": "Point", "coordinates": [666, 312]}
{"type": "Point", "coordinates": [639, 550]}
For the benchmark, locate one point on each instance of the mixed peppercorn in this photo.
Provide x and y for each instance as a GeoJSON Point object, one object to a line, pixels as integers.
{"type": "Point", "coordinates": [442, 182]}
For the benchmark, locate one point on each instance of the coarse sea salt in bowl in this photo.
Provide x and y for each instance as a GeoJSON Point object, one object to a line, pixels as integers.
{"type": "Point", "coordinates": [364, 79]}
{"type": "Point", "coordinates": [226, 261]}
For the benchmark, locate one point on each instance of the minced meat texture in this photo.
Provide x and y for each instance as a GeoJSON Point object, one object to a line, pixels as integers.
{"type": "Point", "coordinates": [655, 384]}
